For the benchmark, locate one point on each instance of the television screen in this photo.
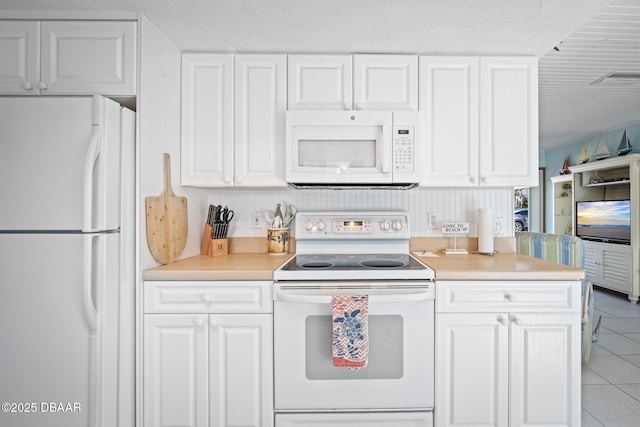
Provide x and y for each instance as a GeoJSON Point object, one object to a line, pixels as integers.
{"type": "Point", "coordinates": [606, 221]}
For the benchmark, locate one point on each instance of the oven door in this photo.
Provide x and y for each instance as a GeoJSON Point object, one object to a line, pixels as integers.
{"type": "Point", "coordinates": [339, 147]}
{"type": "Point", "coordinates": [399, 373]}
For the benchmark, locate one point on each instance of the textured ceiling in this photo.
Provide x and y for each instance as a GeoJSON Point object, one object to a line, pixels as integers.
{"type": "Point", "coordinates": [594, 37]}
{"type": "Point", "coordinates": [572, 106]}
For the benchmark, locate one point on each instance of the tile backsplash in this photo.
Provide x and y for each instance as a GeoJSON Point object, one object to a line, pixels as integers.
{"type": "Point", "coordinates": [449, 204]}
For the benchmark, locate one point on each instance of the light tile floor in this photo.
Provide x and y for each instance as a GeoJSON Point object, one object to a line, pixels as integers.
{"type": "Point", "coordinates": [611, 379]}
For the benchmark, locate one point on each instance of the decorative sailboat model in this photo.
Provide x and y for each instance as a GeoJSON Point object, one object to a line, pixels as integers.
{"type": "Point", "coordinates": [602, 152]}
{"type": "Point", "coordinates": [625, 145]}
{"type": "Point", "coordinates": [584, 156]}
{"type": "Point", "coordinates": [565, 167]}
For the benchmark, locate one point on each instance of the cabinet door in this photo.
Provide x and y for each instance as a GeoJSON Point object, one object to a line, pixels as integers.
{"type": "Point", "coordinates": [471, 369]}
{"type": "Point", "coordinates": [591, 262]}
{"type": "Point", "coordinates": [260, 106]}
{"type": "Point", "coordinates": [207, 120]}
{"type": "Point", "coordinates": [508, 121]}
{"type": "Point", "coordinates": [615, 263]}
{"type": "Point", "coordinates": [545, 370]}
{"type": "Point", "coordinates": [20, 65]}
{"type": "Point", "coordinates": [175, 370]}
{"type": "Point", "coordinates": [241, 370]}
{"type": "Point", "coordinates": [319, 82]}
{"type": "Point", "coordinates": [385, 82]}
{"type": "Point", "coordinates": [449, 106]}
{"type": "Point", "coordinates": [88, 57]}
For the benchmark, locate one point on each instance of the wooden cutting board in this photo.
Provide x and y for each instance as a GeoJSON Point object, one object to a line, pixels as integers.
{"type": "Point", "coordinates": [166, 221]}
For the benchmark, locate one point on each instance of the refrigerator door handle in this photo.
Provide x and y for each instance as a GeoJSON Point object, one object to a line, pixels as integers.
{"type": "Point", "coordinates": [88, 304]}
{"type": "Point", "coordinates": [94, 150]}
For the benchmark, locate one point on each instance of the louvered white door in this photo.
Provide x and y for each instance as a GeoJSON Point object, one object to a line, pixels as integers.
{"type": "Point", "coordinates": [608, 265]}
{"type": "Point", "coordinates": [616, 270]}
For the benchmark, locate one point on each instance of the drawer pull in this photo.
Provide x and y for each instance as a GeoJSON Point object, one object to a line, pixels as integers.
{"type": "Point", "coordinates": [502, 320]}
{"type": "Point", "coordinates": [510, 297]}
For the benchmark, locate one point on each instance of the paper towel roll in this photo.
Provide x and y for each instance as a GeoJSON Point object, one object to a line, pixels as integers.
{"type": "Point", "coordinates": [485, 231]}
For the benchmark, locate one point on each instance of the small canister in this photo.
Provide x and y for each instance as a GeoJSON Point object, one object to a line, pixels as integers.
{"type": "Point", "coordinates": [278, 239]}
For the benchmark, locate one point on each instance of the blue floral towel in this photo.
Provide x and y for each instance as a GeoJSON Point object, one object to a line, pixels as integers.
{"type": "Point", "coordinates": [350, 331]}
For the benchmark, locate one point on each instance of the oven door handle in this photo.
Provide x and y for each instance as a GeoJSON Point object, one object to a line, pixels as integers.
{"type": "Point", "coordinates": [375, 296]}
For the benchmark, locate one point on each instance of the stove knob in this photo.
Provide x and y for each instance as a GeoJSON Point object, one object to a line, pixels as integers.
{"type": "Point", "coordinates": [308, 226]}
{"type": "Point", "coordinates": [384, 225]}
{"type": "Point", "coordinates": [397, 225]}
{"type": "Point", "coordinates": [321, 226]}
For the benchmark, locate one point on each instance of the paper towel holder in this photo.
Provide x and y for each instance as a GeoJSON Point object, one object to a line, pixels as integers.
{"type": "Point", "coordinates": [484, 253]}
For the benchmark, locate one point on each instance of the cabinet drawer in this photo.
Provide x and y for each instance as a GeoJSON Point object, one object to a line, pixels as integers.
{"type": "Point", "coordinates": [489, 296]}
{"type": "Point", "coordinates": [208, 297]}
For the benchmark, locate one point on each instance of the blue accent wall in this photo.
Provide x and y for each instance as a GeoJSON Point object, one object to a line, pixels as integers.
{"type": "Point", "coordinates": [552, 159]}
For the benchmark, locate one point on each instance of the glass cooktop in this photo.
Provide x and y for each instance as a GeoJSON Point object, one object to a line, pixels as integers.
{"type": "Point", "coordinates": [353, 266]}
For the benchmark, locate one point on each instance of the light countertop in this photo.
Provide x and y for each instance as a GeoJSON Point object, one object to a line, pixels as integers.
{"type": "Point", "coordinates": [235, 266]}
{"type": "Point", "coordinates": [501, 266]}
{"type": "Point", "coordinates": [260, 266]}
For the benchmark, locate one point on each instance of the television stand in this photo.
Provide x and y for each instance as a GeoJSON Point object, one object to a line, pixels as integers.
{"type": "Point", "coordinates": [611, 265]}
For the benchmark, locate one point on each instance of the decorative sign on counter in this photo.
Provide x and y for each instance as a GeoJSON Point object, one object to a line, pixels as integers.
{"type": "Point", "coordinates": [455, 228]}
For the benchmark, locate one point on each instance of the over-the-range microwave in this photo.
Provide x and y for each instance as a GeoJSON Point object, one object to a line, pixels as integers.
{"type": "Point", "coordinates": [352, 149]}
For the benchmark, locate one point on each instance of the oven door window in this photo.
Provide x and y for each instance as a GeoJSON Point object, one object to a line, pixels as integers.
{"type": "Point", "coordinates": [386, 350]}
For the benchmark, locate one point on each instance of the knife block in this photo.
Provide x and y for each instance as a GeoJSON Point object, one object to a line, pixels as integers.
{"type": "Point", "coordinates": [213, 247]}
{"type": "Point", "coordinates": [218, 247]}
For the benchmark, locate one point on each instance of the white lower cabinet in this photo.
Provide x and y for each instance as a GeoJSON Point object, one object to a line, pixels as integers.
{"type": "Point", "coordinates": [515, 367]}
{"type": "Point", "coordinates": [608, 265]}
{"type": "Point", "coordinates": [207, 369]}
{"type": "Point", "coordinates": [368, 419]}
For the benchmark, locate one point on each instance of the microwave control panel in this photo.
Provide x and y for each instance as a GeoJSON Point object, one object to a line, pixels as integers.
{"type": "Point", "coordinates": [403, 148]}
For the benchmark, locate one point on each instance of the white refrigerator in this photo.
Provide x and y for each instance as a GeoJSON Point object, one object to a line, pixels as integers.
{"type": "Point", "coordinates": [67, 301]}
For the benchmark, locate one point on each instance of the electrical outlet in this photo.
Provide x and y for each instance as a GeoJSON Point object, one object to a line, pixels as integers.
{"type": "Point", "coordinates": [256, 219]}
{"type": "Point", "coordinates": [497, 226]}
{"type": "Point", "coordinates": [433, 220]}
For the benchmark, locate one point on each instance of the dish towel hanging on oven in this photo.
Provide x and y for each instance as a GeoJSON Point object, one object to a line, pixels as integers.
{"type": "Point", "coordinates": [350, 330]}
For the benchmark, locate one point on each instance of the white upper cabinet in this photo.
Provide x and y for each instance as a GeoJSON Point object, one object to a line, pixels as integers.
{"type": "Point", "coordinates": [353, 82]}
{"type": "Point", "coordinates": [260, 106]}
{"type": "Point", "coordinates": [19, 49]}
{"type": "Point", "coordinates": [68, 57]}
{"type": "Point", "coordinates": [319, 82]}
{"type": "Point", "coordinates": [481, 121]}
{"type": "Point", "coordinates": [509, 121]}
{"type": "Point", "coordinates": [233, 116]}
{"type": "Point", "coordinates": [207, 120]}
{"type": "Point", "coordinates": [449, 106]}
{"type": "Point", "coordinates": [385, 82]}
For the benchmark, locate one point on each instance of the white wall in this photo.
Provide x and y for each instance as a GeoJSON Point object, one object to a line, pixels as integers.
{"type": "Point", "coordinates": [450, 204]}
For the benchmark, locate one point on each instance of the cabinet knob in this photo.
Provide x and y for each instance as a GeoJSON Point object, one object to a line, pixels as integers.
{"type": "Point", "coordinates": [483, 179]}
{"type": "Point", "coordinates": [226, 180]}
{"type": "Point", "coordinates": [502, 320]}
{"type": "Point", "coordinates": [43, 86]}
{"type": "Point", "coordinates": [517, 320]}
{"type": "Point", "coordinates": [199, 323]}
{"type": "Point", "coordinates": [472, 179]}
{"type": "Point", "coordinates": [206, 298]}
{"type": "Point", "coordinates": [238, 180]}
{"type": "Point", "coordinates": [510, 298]}
{"type": "Point", "coordinates": [27, 86]}
{"type": "Point", "coordinates": [213, 323]}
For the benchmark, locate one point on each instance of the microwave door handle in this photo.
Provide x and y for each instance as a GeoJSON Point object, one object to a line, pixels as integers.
{"type": "Point", "coordinates": [387, 148]}
{"type": "Point", "coordinates": [375, 297]}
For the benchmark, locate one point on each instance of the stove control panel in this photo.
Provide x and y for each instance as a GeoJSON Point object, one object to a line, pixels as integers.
{"type": "Point", "coordinates": [356, 225]}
